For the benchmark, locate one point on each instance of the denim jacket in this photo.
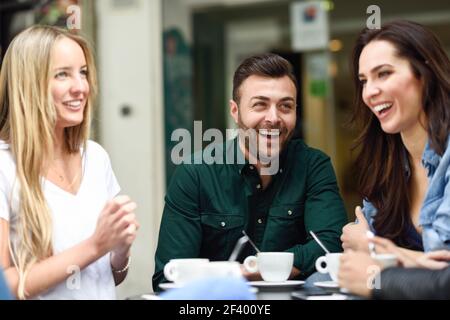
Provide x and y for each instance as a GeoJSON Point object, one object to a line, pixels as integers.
{"type": "Point", "coordinates": [435, 211]}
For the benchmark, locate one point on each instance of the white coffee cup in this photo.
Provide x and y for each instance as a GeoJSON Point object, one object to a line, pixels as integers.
{"type": "Point", "coordinates": [222, 269]}
{"type": "Point", "coordinates": [331, 262]}
{"type": "Point", "coordinates": [273, 266]}
{"type": "Point", "coordinates": [182, 271]}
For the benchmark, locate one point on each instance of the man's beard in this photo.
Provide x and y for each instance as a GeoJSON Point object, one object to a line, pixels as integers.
{"type": "Point", "coordinates": [273, 146]}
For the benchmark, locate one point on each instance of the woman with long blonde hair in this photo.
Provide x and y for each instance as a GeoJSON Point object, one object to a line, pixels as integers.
{"type": "Point", "coordinates": [63, 233]}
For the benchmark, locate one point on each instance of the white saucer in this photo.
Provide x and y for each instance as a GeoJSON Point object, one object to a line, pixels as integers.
{"type": "Point", "coordinates": [326, 284]}
{"type": "Point", "coordinates": [172, 285]}
{"type": "Point", "coordinates": [281, 284]}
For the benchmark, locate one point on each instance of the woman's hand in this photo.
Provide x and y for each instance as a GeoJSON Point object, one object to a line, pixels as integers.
{"type": "Point", "coordinates": [129, 235]}
{"type": "Point", "coordinates": [434, 259]}
{"type": "Point", "coordinates": [354, 235]}
{"type": "Point", "coordinates": [357, 272]}
{"type": "Point", "coordinates": [116, 226]}
{"type": "Point", "coordinates": [406, 258]}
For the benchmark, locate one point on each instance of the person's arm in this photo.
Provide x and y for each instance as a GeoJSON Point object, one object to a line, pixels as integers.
{"type": "Point", "coordinates": [51, 271]}
{"type": "Point", "coordinates": [415, 283]}
{"type": "Point", "coordinates": [357, 270]}
{"type": "Point", "coordinates": [435, 221]}
{"type": "Point", "coordinates": [180, 233]}
{"type": "Point", "coordinates": [324, 213]}
{"type": "Point", "coordinates": [359, 273]}
{"type": "Point", "coordinates": [111, 232]}
{"type": "Point", "coordinates": [121, 257]}
{"type": "Point", "coordinates": [410, 258]}
{"type": "Point", "coordinates": [413, 255]}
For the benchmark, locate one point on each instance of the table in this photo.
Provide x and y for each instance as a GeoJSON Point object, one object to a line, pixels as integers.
{"type": "Point", "coordinates": [269, 293]}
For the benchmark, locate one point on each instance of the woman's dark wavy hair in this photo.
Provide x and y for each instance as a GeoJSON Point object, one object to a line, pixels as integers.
{"type": "Point", "coordinates": [382, 157]}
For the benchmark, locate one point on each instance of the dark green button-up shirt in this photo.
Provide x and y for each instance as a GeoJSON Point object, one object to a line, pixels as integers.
{"type": "Point", "coordinates": [208, 205]}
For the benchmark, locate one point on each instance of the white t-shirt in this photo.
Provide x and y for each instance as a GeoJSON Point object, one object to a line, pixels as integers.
{"type": "Point", "coordinates": [74, 219]}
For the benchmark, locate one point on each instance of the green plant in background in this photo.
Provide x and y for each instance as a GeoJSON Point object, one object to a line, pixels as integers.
{"type": "Point", "coordinates": [54, 12]}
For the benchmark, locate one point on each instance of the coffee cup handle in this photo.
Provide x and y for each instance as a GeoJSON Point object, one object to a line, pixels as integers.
{"type": "Point", "coordinates": [251, 264]}
{"type": "Point", "coordinates": [319, 262]}
{"type": "Point", "coordinates": [170, 271]}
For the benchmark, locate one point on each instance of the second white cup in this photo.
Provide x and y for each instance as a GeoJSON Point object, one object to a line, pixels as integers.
{"type": "Point", "coordinates": [182, 271]}
{"type": "Point", "coordinates": [329, 263]}
{"type": "Point", "coordinates": [273, 266]}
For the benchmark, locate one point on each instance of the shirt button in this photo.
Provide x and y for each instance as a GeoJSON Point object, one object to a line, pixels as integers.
{"type": "Point", "coordinates": [290, 212]}
{"type": "Point", "coordinates": [252, 167]}
{"type": "Point", "coordinates": [258, 186]}
{"type": "Point", "coordinates": [223, 224]}
{"type": "Point", "coordinates": [259, 221]}
{"type": "Point", "coordinates": [281, 170]}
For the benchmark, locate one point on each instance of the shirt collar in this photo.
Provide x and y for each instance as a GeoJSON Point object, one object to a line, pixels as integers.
{"type": "Point", "coordinates": [234, 151]}
{"type": "Point", "coordinates": [430, 159]}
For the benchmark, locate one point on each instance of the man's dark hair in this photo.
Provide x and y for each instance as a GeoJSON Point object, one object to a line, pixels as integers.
{"type": "Point", "coordinates": [265, 65]}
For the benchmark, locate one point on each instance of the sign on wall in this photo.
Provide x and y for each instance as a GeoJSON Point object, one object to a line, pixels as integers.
{"type": "Point", "coordinates": [309, 26]}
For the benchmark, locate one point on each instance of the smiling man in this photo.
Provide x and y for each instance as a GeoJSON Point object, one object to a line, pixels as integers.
{"type": "Point", "coordinates": [278, 193]}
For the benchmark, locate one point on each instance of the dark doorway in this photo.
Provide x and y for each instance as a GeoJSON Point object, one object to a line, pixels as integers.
{"type": "Point", "coordinates": [209, 56]}
{"type": "Point", "coordinates": [8, 8]}
{"type": "Point", "coordinates": [296, 60]}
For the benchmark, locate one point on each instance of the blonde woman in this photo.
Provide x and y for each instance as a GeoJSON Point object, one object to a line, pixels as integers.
{"type": "Point", "coordinates": [63, 233]}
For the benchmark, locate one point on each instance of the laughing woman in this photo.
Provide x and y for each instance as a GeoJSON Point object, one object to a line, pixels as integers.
{"type": "Point", "coordinates": [402, 80]}
{"type": "Point", "coordinates": [63, 235]}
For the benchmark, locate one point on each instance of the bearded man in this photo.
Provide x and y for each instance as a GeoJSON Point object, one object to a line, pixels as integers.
{"type": "Point", "coordinates": [275, 188]}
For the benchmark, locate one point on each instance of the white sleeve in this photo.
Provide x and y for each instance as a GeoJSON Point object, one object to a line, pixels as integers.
{"type": "Point", "coordinates": [112, 185]}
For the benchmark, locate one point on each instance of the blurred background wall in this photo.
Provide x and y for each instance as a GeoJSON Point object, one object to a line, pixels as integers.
{"type": "Point", "coordinates": [165, 63]}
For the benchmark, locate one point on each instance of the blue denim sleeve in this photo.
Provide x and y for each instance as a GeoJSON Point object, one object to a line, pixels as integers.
{"type": "Point", "coordinates": [369, 212]}
{"type": "Point", "coordinates": [435, 213]}
{"type": "Point", "coordinates": [435, 218]}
